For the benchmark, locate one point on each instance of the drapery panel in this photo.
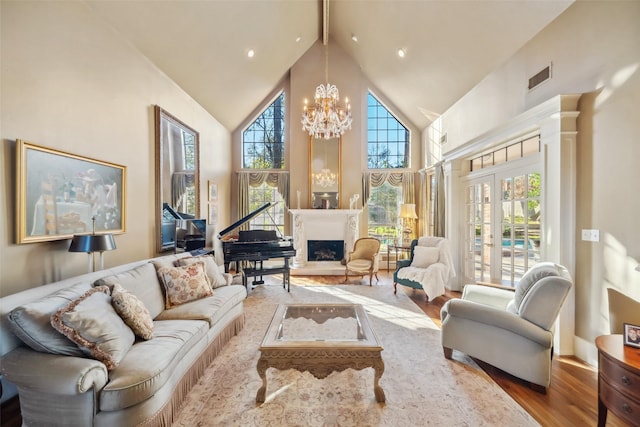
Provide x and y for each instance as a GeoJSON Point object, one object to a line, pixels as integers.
{"type": "Point", "coordinates": [396, 179]}
{"type": "Point", "coordinates": [280, 180]}
{"type": "Point", "coordinates": [180, 181]}
{"type": "Point", "coordinates": [438, 202]}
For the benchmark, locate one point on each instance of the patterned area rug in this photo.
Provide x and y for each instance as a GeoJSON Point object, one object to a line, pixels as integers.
{"type": "Point", "coordinates": [422, 388]}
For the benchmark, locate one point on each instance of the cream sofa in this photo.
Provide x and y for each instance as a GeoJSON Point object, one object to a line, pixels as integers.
{"type": "Point", "coordinates": [147, 385]}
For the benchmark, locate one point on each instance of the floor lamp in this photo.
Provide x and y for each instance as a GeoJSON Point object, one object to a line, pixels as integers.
{"type": "Point", "coordinates": [91, 243]}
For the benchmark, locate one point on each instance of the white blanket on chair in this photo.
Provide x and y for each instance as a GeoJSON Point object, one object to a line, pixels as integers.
{"type": "Point", "coordinates": [433, 278]}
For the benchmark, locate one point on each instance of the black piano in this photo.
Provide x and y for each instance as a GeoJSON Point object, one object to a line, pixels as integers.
{"type": "Point", "coordinates": [253, 247]}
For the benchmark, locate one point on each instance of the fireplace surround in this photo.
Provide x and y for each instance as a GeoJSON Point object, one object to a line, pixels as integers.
{"type": "Point", "coordinates": [322, 225]}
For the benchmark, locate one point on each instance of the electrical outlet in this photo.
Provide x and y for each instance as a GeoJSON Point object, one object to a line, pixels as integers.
{"type": "Point", "coordinates": [591, 235]}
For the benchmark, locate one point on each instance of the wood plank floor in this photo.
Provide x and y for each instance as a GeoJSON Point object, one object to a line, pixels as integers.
{"type": "Point", "coordinates": [571, 400]}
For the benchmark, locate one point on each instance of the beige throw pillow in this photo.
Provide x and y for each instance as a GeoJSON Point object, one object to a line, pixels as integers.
{"type": "Point", "coordinates": [185, 283]}
{"type": "Point", "coordinates": [424, 256]}
{"type": "Point", "coordinates": [214, 275]}
{"type": "Point", "coordinates": [132, 311]}
{"type": "Point", "coordinates": [91, 322]}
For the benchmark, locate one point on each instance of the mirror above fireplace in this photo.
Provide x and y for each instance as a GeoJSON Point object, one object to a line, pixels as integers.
{"type": "Point", "coordinates": [325, 173]}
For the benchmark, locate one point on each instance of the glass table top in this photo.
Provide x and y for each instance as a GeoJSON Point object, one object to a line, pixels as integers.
{"type": "Point", "coordinates": [319, 324]}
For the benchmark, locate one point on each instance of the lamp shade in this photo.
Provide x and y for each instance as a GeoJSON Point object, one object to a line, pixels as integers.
{"type": "Point", "coordinates": [408, 210]}
{"type": "Point", "coordinates": [92, 243]}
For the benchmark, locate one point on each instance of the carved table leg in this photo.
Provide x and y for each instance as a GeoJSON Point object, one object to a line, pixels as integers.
{"type": "Point", "coordinates": [262, 372]}
{"type": "Point", "coordinates": [378, 367]}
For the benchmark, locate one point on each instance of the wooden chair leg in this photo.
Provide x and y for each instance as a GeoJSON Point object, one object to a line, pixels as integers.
{"type": "Point", "coordinates": [538, 388]}
{"type": "Point", "coordinates": [395, 287]}
{"type": "Point", "coordinates": [448, 352]}
{"type": "Point", "coordinates": [370, 279]}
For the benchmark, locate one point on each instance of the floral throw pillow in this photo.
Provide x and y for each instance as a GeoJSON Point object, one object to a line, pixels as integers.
{"type": "Point", "coordinates": [216, 279]}
{"type": "Point", "coordinates": [132, 311]}
{"type": "Point", "coordinates": [185, 283]}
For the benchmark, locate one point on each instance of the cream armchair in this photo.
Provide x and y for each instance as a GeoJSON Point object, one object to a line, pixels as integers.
{"type": "Point", "coordinates": [512, 331]}
{"type": "Point", "coordinates": [363, 260]}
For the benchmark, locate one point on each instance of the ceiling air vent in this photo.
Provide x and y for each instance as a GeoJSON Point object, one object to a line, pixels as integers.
{"type": "Point", "coordinates": [541, 77]}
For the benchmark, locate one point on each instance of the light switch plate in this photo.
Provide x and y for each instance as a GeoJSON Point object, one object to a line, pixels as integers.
{"type": "Point", "coordinates": [591, 235]}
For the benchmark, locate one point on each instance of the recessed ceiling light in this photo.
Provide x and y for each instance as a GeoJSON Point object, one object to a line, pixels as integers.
{"type": "Point", "coordinates": [298, 39]}
{"type": "Point", "coordinates": [250, 53]}
{"type": "Point", "coordinates": [354, 38]}
{"type": "Point", "coordinates": [401, 53]}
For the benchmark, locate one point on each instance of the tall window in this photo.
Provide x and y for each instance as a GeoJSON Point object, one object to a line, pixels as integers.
{"type": "Point", "coordinates": [383, 206]}
{"type": "Point", "coordinates": [263, 140]}
{"type": "Point", "coordinates": [263, 150]}
{"type": "Point", "coordinates": [259, 196]}
{"type": "Point", "coordinates": [387, 138]}
{"type": "Point", "coordinates": [387, 148]}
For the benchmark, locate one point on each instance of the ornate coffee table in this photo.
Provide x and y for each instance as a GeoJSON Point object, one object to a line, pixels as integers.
{"type": "Point", "coordinates": [320, 339]}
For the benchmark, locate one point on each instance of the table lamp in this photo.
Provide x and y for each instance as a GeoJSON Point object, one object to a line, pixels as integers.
{"type": "Point", "coordinates": [408, 215]}
{"type": "Point", "coordinates": [91, 243]}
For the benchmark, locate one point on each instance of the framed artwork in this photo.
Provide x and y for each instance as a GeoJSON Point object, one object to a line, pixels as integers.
{"type": "Point", "coordinates": [213, 192]}
{"type": "Point", "coordinates": [631, 335]}
{"type": "Point", "coordinates": [213, 213]}
{"type": "Point", "coordinates": [60, 194]}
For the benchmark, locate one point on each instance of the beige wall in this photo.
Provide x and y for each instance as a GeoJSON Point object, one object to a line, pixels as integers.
{"type": "Point", "coordinates": [594, 47]}
{"type": "Point", "coordinates": [71, 83]}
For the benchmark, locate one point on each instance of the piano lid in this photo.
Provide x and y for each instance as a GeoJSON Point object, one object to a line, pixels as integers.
{"type": "Point", "coordinates": [243, 220]}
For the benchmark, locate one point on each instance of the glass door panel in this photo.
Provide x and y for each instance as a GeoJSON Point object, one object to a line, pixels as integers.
{"type": "Point", "coordinates": [479, 230]}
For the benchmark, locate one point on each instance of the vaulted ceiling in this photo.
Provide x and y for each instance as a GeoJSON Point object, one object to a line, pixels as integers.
{"type": "Point", "coordinates": [450, 45]}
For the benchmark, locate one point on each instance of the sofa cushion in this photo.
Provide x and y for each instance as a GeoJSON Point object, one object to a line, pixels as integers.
{"type": "Point", "coordinates": [149, 364]}
{"type": "Point", "coordinates": [31, 322]}
{"type": "Point", "coordinates": [424, 256]}
{"type": "Point", "coordinates": [141, 281]}
{"type": "Point", "coordinates": [91, 322]}
{"type": "Point", "coordinates": [210, 309]}
{"type": "Point", "coordinates": [132, 311]}
{"type": "Point", "coordinates": [216, 279]}
{"type": "Point", "coordinates": [184, 284]}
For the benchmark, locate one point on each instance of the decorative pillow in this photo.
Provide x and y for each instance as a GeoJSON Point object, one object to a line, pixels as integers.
{"type": "Point", "coordinates": [424, 256]}
{"type": "Point", "coordinates": [143, 282]}
{"type": "Point", "coordinates": [31, 322]}
{"type": "Point", "coordinates": [184, 284]}
{"type": "Point", "coordinates": [93, 324]}
{"type": "Point", "coordinates": [132, 311]}
{"type": "Point", "coordinates": [216, 279]}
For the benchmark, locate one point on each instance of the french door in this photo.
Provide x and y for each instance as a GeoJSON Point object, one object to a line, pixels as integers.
{"type": "Point", "coordinates": [502, 236]}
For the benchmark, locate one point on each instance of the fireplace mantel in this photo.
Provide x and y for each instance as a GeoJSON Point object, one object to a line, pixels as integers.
{"type": "Point", "coordinates": [322, 224]}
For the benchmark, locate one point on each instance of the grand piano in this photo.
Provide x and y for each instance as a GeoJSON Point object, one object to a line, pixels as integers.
{"type": "Point", "coordinates": [255, 246]}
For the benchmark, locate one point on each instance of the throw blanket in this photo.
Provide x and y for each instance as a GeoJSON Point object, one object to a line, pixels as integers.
{"type": "Point", "coordinates": [435, 277]}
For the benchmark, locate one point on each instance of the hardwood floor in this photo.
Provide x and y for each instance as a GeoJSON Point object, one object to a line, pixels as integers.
{"type": "Point", "coordinates": [571, 400]}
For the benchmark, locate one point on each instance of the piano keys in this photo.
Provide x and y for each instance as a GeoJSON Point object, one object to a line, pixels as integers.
{"type": "Point", "coordinates": [255, 247]}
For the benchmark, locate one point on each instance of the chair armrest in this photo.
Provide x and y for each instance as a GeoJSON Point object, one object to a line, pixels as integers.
{"type": "Point", "coordinates": [376, 262]}
{"type": "Point", "coordinates": [498, 318]}
{"type": "Point", "coordinates": [402, 263]}
{"type": "Point", "coordinates": [52, 373]}
{"type": "Point", "coordinates": [487, 295]}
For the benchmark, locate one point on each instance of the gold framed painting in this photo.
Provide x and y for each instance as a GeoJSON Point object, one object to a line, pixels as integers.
{"type": "Point", "coordinates": [60, 194]}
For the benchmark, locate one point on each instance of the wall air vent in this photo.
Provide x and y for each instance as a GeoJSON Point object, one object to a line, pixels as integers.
{"type": "Point", "coordinates": [541, 77]}
{"type": "Point", "coordinates": [443, 139]}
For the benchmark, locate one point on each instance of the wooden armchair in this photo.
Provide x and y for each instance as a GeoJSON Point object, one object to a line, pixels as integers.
{"type": "Point", "coordinates": [363, 260]}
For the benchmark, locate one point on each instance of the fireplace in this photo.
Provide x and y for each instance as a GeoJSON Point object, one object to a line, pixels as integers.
{"type": "Point", "coordinates": [325, 250]}
{"type": "Point", "coordinates": [322, 225]}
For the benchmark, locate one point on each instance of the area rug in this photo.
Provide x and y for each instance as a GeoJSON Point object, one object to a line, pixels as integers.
{"type": "Point", "coordinates": [422, 388]}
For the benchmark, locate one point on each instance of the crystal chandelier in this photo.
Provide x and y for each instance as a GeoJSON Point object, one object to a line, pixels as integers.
{"type": "Point", "coordinates": [325, 178]}
{"type": "Point", "coordinates": [327, 118]}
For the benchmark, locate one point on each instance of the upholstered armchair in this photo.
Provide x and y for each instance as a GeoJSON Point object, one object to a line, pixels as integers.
{"type": "Point", "coordinates": [429, 267]}
{"type": "Point", "coordinates": [363, 260]}
{"type": "Point", "coordinates": [512, 331]}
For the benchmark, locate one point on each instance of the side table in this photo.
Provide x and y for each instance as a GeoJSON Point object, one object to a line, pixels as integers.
{"type": "Point", "coordinates": [397, 247]}
{"type": "Point", "coordinates": [618, 380]}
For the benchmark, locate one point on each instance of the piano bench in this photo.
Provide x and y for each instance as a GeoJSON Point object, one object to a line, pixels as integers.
{"type": "Point", "coordinates": [259, 272]}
